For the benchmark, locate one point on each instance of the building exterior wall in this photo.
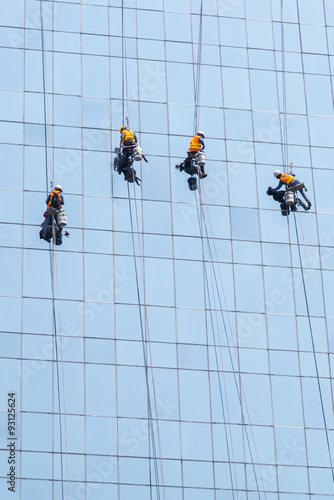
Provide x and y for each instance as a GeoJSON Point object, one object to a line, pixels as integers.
{"type": "Point", "coordinates": [236, 359]}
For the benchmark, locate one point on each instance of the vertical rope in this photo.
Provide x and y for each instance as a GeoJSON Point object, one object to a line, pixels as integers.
{"type": "Point", "coordinates": [51, 253]}
{"type": "Point", "coordinates": [313, 347]}
{"type": "Point", "coordinates": [150, 351]}
{"type": "Point", "coordinates": [284, 92]}
{"type": "Point", "coordinates": [123, 62]}
{"type": "Point", "coordinates": [217, 365]}
{"type": "Point", "coordinates": [125, 94]}
{"type": "Point", "coordinates": [44, 99]}
{"type": "Point", "coordinates": [125, 86]}
{"type": "Point", "coordinates": [150, 414]}
{"type": "Point", "coordinates": [240, 391]}
{"type": "Point", "coordinates": [198, 74]}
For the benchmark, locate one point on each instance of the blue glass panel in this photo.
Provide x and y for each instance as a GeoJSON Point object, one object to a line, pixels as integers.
{"type": "Point", "coordinates": [260, 34]}
{"type": "Point", "coordinates": [150, 24]}
{"type": "Point", "coordinates": [12, 78]}
{"type": "Point", "coordinates": [313, 39]}
{"type": "Point", "coordinates": [232, 56]}
{"type": "Point", "coordinates": [261, 59]}
{"type": "Point", "coordinates": [230, 9]}
{"type": "Point", "coordinates": [189, 284]}
{"type": "Point", "coordinates": [282, 332]}
{"type": "Point", "coordinates": [100, 398]}
{"type": "Point", "coordinates": [67, 17]}
{"type": "Point", "coordinates": [290, 443]}
{"type": "Point", "coordinates": [66, 42]}
{"type": "Point", "coordinates": [236, 88]}
{"type": "Point", "coordinates": [287, 401]}
{"type": "Point", "coordinates": [194, 394]}
{"type": "Point", "coordinates": [312, 12]}
{"type": "Point", "coordinates": [42, 442]}
{"type": "Point", "coordinates": [319, 95]}
{"type": "Point", "coordinates": [256, 390]}
{"type": "Point", "coordinates": [253, 360]}
{"type": "Point", "coordinates": [198, 474]}
{"type": "Point", "coordinates": [94, 19]}
{"type": "Point", "coordinates": [321, 481]}
{"type": "Point", "coordinates": [284, 363]}
{"type": "Point", "coordinates": [95, 65]}
{"type": "Point", "coordinates": [95, 44]}
{"type": "Point", "coordinates": [232, 32]}
{"type": "Point", "coordinates": [293, 479]}
{"type": "Point", "coordinates": [177, 27]}
{"type": "Point", "coordinates": [316, 64]}
{"type": "Point", "coordinates": [12, 15]}
{"type": "Point", "coordinates": [251, 330]}
{"type": "Point", "coordinates": [43, 462]}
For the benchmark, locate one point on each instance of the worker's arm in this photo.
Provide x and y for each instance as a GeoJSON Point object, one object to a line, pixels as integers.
{"type": "Point", "coordinates": [62, 199]}
{"type": "Point", "coordinates": [280, 184]}
{"type": "Point", "coordinates": [48, 199]}
{"type": "Point", "coordinates": [202, 142]}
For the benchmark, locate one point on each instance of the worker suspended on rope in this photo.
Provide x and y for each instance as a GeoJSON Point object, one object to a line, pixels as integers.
{"type": "Point", "coordinates": [55, 217]}
{"type": "Point", "coordinates": [56, 199]}
{"type": "Point", "coordinates": [292, 185]}
{"type": "Point", "coordinates": [128, 137]}
{"type": "Point", "coordinates": [195, 161]}
{"type": "Point", "coordinates": [280, 197]}
{"type": "Point", "coordinates": [128, 151]}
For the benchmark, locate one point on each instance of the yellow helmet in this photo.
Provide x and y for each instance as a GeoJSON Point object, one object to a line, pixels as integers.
{"type": "Point", "coordinates": [122, 128]}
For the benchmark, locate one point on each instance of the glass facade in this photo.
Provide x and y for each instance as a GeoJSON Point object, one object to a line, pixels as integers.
{"type": "Point", "coordinates": [200, 369]}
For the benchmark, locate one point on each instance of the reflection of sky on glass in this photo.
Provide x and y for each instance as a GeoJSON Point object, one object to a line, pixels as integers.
{"type": "Point", "coordinates": [229, 341]}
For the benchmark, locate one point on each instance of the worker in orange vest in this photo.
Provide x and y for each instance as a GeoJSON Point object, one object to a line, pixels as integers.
{"type": "Point", "coordinates": [55, 199]}
{"type": "Point", "coordinates": [196, 145]}
{"type": "Point", "coordinates": [128, 143]}
{"type": "Point", "coordinates": [128, 137]}
{"type": "Point", "coordinates": [292, 184]}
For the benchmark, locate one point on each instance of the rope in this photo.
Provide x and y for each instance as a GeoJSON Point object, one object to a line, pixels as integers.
{"type": "Point", "coordinates": [196, 127]}
{"type": "Point", "coordinates": [63, 371]}
{"type": "Point", "coordinates": [156, 472]}
{"type": "Point", "coordinates": [240, 391]}
{"type": "Point", "coordinates": [44, 97]}
{"type": "Point", "coordinates": [124, 70]}
{"type": "Point", "coordinates": [54, 319]}
{"type": "Point", "coordinates": [150, 348]}
{"type": "Point", "coordinates": [54, 324]}
{"type": "Point", "coordinates": [198, 74]}
{"type": "Point", "coordinates": [284, 91]}
{"type": "Point", "coordinates": [313, 347]}
{"type": "Point", "coordinates": [285, 150]}
{"type": "Point", "coordinates": [125, 97]}
{"type": "Point", "coordinates": [315, 309]}
{"type": "Point", "coordinates": [218, 371]}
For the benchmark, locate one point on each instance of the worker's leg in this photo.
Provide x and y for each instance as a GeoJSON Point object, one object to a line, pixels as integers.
{"type": "Point", "coordinates": [302, 192]}
{"type": "Point", "coordinates": [46, 223]}
{"type": "Point", "coordinates": [202, 174]}
{"type": "Point", "coordinates": [302, 204]}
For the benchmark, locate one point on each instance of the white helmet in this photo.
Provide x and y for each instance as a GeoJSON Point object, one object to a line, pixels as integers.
{"type": "Point", "coordinates": [277, 172]}
{"type": "Point", "coordinates": [58, 188]}
{"type": "Point", "coordinates": [201, 133]}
